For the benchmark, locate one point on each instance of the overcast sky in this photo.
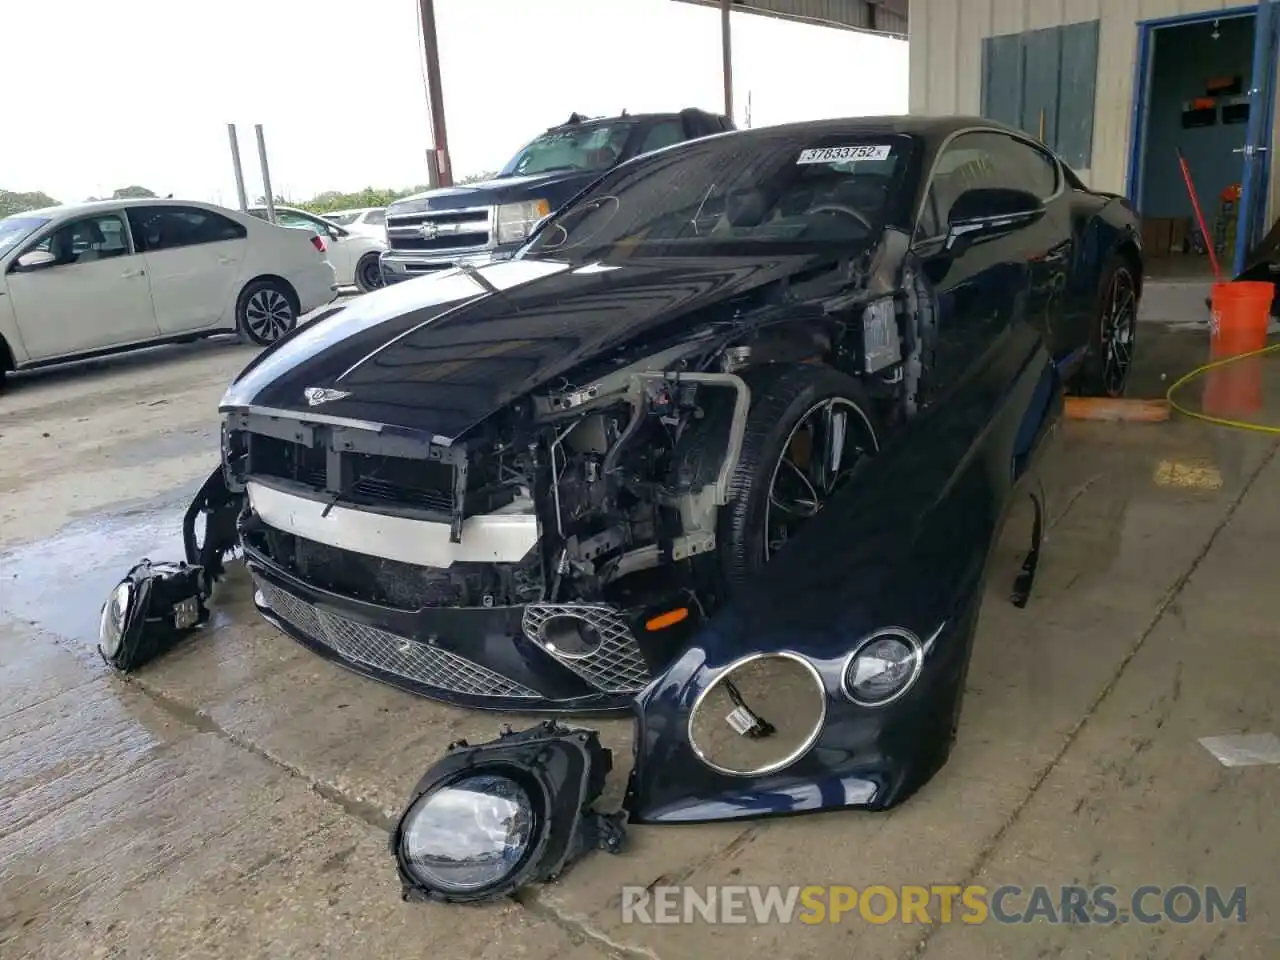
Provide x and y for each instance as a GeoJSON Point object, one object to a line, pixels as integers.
{"type": "Point", "coordinates": [105, 93]}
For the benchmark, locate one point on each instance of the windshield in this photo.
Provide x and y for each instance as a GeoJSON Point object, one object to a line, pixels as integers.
{"type": "Point", "coordinates": [13, 230]}
{"type": "Point", "coordinates": [735, 195]}
{"type": "Point", "coordinates": [591, 147]}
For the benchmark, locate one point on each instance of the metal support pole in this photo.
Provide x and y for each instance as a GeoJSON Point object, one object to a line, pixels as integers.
{"type": "Point", "coordinates": [726, 53]}
{"type": "Point", "coordinates": [266, 174]}
{"type": "Point", "coordinates": [235, 165]}
{"type": "Point", "coordinates": [435, 95]}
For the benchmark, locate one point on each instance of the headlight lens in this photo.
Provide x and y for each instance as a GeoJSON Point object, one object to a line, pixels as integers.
{"type": "Point", "coordinates": [114, 613]}
{"type": "Point", "coordinates": [517, 220]}
{"type": "Point", "coordinates": [470, 834]}
{"type": "Point", "coordinates": [883, 668]}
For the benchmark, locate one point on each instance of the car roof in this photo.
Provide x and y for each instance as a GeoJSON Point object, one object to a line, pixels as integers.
{"type": "Point", "coordinates": [931, 129]}
{"type": "Point", "coordinates": [89, 206]}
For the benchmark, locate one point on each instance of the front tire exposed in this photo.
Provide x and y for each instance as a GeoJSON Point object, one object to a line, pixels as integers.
{"type": "Point", "coordinates": [265, 312]}
{"type": "Point", "coordinates": [808, 428]}
{"type": "Point", "coordinates": [368, 273]}
{"type": "Point", "coordinates": [1105, 371]}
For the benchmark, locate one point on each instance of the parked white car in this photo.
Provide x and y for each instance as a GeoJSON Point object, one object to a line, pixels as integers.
{"type": "Point", "coordinates": [95, 278]}
{"type": "Point", "coordinates": [370, 221]}
{"type": "Point", "coordinates": [354, 256]}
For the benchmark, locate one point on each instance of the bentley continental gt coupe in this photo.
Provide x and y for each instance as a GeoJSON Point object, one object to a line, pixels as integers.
{"type": "Point", "coordinates": [756, 402]}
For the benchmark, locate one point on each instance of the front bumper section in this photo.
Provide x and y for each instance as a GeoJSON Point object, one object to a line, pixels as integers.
{"type": "Point", "coordinates": [487, 658]}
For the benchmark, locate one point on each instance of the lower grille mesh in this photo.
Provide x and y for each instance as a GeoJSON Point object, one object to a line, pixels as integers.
{"type": "Point", "coordinates": [360, 643]}
{"type": "Point", "coordinates": [615, 666]}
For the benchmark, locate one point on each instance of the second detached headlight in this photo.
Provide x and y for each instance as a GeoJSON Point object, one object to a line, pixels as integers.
{"type": "Point", "coordinates": [883, 667]}
{"type": "Point", "coordinates": [517, 220]}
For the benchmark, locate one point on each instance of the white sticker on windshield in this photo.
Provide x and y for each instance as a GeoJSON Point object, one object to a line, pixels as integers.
{"type": "Point", "coordinates": [863, 151]}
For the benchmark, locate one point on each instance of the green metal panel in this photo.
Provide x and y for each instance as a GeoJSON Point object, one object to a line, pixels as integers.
{"type": "Point", "coordinates": [1041, 55]}
{"type": "Point", "coordinates": [1002, 79]}
{"type": "Point", "coordinates": [1052, 71]}
{"type": "Point", "coordinates": [1077, 93]}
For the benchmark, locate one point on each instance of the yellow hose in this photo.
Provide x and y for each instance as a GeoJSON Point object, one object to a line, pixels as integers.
{"type": "Point", "coordinates": [1220, 421]}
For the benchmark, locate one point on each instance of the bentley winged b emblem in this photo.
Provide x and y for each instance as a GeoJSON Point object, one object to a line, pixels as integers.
{"type": "Point", "coordinates": [318, 395]}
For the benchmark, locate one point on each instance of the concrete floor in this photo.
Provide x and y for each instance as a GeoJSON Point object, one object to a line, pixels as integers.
{"type": "Point", "coordinates": [234, 799]}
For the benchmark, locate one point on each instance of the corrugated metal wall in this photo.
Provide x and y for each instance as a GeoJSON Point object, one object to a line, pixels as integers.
{"type": "Point", "coordinates": [946, 62]}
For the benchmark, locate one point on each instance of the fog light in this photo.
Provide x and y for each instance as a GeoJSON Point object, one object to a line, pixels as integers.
{"type": "Point", "coordinates": [570, 636]}
{"type": "Point", "coordinates": [883, 668]}
{"type": "Point", "coordinates": [487, 819]}
{"type": "Point", "coordinates": [469, 834]}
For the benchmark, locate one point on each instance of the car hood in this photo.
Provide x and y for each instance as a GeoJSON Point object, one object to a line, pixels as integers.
{"type": "Point", "coordinates": [436, 355]}
{"type": "Point", "coordinates": [492, 192]}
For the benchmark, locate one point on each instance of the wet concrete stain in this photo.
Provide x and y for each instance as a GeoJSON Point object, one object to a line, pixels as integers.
{"type": "Point", "coordinates": [60, 583]}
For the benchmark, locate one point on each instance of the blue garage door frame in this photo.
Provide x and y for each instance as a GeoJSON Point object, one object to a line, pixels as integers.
{"type": "Point", "coordinates": [1256, 162]}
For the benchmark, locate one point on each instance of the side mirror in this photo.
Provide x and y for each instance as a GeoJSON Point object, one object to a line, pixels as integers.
{"type": "Point", "coordinates": [35, 260]}
{"type": "Point", "coordinates": [989, 212]}
{"type": "Point", "coordinates": [335, 233]}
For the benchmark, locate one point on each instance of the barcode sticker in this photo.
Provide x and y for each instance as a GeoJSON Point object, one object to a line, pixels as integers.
{"type": "Point", "coordinates": [862, 151]}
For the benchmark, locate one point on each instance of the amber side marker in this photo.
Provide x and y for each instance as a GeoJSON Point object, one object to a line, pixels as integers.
{"type": "Point", "coordinates": [1116, 409]}
{"type": "Point", "coordinates": [668, 619]}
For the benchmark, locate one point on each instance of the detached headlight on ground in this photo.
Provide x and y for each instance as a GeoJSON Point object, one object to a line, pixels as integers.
{"type": "Point", "coordinates": [487, 819]}
{"type": "Point", "coordinates": [883, 668]}
{"type": "Point", "coordinates": [149, 611]}
{"type": "Point", "coordinates": [517, 220]}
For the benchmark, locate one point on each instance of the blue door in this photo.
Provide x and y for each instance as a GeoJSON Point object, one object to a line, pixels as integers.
{"type": "Point", "coordinates": [1257, 149]}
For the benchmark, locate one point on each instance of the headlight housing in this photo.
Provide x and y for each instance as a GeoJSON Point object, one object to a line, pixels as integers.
{"type": "Point", "coordinates": [883, 667]}
{"type": "Point", "coordinates": [487, 819]}
{"type": "Point", "coordinates": [149, 612]}
{"type": "Point", "coordinates": [517, 220]}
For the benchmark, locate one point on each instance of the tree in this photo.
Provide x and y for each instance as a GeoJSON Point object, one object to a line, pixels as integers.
{"type": "Point", "coordinates": [128, 193]}
{"type": "Point", "coordinates": [12, 202]}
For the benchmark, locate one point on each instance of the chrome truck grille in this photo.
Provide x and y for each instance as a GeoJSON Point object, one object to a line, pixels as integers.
{"type": "Point", "coordinates": [605, 655]}
{"type": "Point", "coordinates": [360, 643]}
{"type": "Point", "coordinates": [440, 231]}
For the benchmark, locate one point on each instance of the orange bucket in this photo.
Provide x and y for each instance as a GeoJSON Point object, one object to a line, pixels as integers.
{"type": "Point", "coordinates": [1238, 324]}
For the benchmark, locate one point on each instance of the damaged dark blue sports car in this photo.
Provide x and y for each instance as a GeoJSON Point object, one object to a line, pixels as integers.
{"type": "Point", "coordinates": [728, 443]}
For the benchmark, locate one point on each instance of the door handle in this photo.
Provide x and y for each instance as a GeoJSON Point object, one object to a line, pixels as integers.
{"type": "Point", "coordinates": [226, 260]}
{"type": "Point", "coordinates": [130, 274]}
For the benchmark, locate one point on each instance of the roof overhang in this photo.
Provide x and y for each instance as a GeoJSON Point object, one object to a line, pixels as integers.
{"type": "Point", "coordinates": [884, 17]}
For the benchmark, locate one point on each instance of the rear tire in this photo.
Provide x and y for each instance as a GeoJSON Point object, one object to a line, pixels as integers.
{"type": "Point", "coordinates": [781, 434]}
{"type": "Point", "coordinates": [1106, 366]}
{"type": "Point", "coordinates": [368, 273]}
{"type": "Point", "coordinates": [266, 311]}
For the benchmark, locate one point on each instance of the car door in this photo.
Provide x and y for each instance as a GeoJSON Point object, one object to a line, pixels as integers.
{"type": "Point", "coordinates": [88, 291]}
{"type": "Point", "coordinates": [980, 288]}
{"type": "Point", "coordinates": [1048, 244]}
{"type": "Point", "coordinates": [338, 251]}
{"type": "Point", "coordinates": [194, 257]}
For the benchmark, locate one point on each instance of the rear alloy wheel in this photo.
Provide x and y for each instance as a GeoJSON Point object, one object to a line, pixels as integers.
{"type": "Point", "coordinates": [368, 273]}
{"type": "Point", "coordinates": [1106, 367]}
{"type": "Point", "coordinates": [266, 312]}
{"type": "Point", "coordinates": [809, 430]}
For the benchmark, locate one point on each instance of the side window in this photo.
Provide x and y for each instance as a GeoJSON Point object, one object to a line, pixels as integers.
{"type": "Point", "coordinates": [984, 160]}
{"type": "Point", "coordinates": [83, 241]}
{"type": "Point", "coordinates": [1031, 169]}
{"type": "Point", "coordinates": [969, 161]}
{"type": "Point", "coordinates": [287, 218]}
{"type": "Point", "coordinates": [662, 134]}
{"type": "Point", "coordinates": [164, 228]}
{"type": "Point", "coordinates": [376, 217]}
